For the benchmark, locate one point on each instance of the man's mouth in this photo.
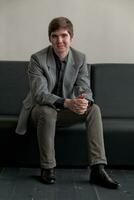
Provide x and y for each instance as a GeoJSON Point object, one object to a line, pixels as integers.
{"type": "Point", "coordinates": [60, 46]}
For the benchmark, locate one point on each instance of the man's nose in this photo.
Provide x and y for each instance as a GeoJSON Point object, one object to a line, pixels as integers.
{"type": "Point", "coordinates": [59, 39]}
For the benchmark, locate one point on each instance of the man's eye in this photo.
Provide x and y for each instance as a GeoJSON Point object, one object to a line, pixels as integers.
{"type": "Point", "coordinates": [54, 36]}
{"type": "Point", "coordinates": [64, 35]}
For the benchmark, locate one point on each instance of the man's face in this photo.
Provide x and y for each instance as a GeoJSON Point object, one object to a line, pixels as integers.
{"type": "Point", "coordinates": [61, 41]}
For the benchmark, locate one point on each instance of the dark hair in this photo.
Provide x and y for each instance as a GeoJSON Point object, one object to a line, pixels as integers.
{"type": "Point", "coordinates": [60, 22]}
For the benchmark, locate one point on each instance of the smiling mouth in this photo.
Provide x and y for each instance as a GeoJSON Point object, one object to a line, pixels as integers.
{"type": "Point", "coordinates": [60, 46]}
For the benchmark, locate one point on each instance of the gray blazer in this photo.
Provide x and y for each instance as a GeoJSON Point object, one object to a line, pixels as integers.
{"type": "Point", "coordinates": [42, 79]}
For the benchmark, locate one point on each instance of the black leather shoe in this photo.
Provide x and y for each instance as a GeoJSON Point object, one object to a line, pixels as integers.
{"type": "Point", "coordinates": [48, 176]}
{"type": "Point", "coordinates": [101, 178]}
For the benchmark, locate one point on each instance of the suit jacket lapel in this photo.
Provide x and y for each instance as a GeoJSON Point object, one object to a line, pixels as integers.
{"type": "Point", "coordinates": [69, 73]}
{"type": "Point", "coordinates": [51, 66]}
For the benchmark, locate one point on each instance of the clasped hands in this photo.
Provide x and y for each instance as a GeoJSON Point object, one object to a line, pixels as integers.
{"type": "Point", "coordinates": [78, 104]}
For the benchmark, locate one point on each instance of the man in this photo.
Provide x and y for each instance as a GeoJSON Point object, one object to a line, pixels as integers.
{"type": "Point", "coordinates": [60, 86]}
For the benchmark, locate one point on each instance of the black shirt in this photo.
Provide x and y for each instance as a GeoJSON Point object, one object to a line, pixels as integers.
{"type": "Point", "coordinates": [60, 69]}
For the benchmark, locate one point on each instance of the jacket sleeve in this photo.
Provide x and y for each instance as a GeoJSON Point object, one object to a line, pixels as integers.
{"type": "Point", "coordinates": [39, 86]}
{"type": "Point", "coordinates": [82, 84]}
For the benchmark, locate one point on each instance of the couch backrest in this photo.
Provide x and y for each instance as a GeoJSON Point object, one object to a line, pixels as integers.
{"type": "Point", "coordinates": [113, 88]}
{"type": "Point", "coordinates": [112, 85]}
{"type": "Point", "coordinates": [13, 86]}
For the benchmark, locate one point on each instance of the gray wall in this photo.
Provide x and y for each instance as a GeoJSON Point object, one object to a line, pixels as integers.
{"type": "Point", "coordinates": [104, 29]}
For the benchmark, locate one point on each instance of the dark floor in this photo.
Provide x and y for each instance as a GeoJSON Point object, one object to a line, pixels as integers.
{"type": "Point", "coordinates": [71, 184]}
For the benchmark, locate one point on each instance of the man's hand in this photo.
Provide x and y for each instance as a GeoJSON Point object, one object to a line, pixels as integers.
{"type": "Point", "coordinates": [78, 105]}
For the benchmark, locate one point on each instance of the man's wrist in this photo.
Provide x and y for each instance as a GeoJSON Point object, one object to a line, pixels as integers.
{"type": "Point", "coordinates": [66, 101]}
{"type": "Point", "coordinates": [59, 103]}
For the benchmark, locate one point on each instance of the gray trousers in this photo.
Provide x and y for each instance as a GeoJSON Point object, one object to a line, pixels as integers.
{"type": "Point", "coordinates": [46, 119]}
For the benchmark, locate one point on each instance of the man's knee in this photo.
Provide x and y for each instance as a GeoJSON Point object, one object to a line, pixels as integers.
{"type": "Point", "coordinates": [95, 108]}
{"type": "Point", "coordinates": [47, 111]}
{"type": "Point", "coordinates": [94, 111]}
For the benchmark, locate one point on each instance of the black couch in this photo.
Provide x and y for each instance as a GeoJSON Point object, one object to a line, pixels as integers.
{"type": "Point", "coordinates": [112, 85]}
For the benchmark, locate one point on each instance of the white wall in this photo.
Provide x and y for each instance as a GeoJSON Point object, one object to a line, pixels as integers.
{"type": "Point", "coordinates": [104, 29]}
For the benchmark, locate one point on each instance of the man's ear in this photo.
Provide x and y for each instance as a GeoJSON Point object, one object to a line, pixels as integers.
{"type": "Point", "coordinates": [71, 39]}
